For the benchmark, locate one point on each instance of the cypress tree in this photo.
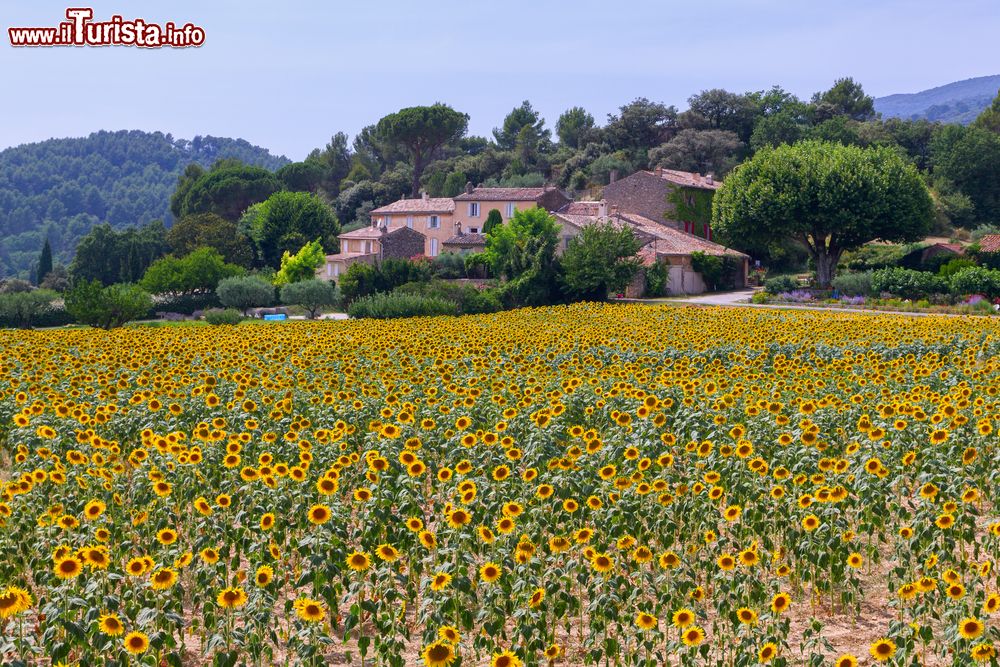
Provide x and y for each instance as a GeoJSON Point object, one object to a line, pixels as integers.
{"type": "Point", "coordinates": [44, 263]}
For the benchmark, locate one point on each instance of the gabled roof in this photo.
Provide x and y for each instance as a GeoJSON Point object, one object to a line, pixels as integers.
{"type": "Point", "coordinates": [373, 232]}
{"type": "Point", "coordinates": [990, 243]}
{"type": "Point", "coordinates": [656, 237]}
{"type": "Point", "coordinates": [503, 194]}
{"type": "Point", "coordinates": [467, 240]}
{"type": "Point", "coordinates": [686, 179]}
{"type": "Point", "coordinates": [345, 256]}
{"type": "Point", "coordinates": [422, 205]}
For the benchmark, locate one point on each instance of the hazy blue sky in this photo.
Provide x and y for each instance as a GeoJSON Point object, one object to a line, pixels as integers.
{"type": "Point", "coordinates": [288, 75]}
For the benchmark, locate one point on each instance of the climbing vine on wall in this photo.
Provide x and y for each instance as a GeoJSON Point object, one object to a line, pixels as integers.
{"type": "Point", "coordinates": [699, 212]}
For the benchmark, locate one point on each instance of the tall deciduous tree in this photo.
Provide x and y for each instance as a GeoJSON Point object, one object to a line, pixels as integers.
{"type": "Point", "coordinates": [989, 119]}
{"type": "Point", "coordinates": [829, 197]}
{"type": "Point", "coordinates": [600, 260]}
{"type": "Point", "coordinates": [704, 151]}
{"type": "Point", "coordinates": [287, 221]}
{"type": "Point", "coordinates": [207, 230]}
{"type": "Point", "coordinates": [969, 158]}
{"type": "Point", "coordinates": [422, 131]}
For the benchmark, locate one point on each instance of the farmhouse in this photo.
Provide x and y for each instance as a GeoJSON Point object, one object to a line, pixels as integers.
{"type": "Point", "coordinates": [659, 243]}
{"type": "Point", "coordinates": [678, 199]}
{"type": "Point", "coordinates": [371, 244]}
{"type": "Point", "coordinates": [441, 219]}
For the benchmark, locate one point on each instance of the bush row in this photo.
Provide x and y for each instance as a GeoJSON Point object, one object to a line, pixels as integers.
{"type": "Point", "coordinates": [397, 304]}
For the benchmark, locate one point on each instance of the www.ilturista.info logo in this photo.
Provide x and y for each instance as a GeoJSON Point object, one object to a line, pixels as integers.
{"type": "Point", "coordinates": [81, 30]}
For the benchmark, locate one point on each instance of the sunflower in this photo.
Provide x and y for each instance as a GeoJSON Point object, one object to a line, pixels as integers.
{"type": "Point", "coordinates": [163, 579]}
{"type": "Point", "coordinates": [209, 555]}
{"type": "Point", "coordinates": [505, 659]}
{"type": "Point", "coordinates": [111, 625]}
{"type": "Point", "coordinates": [231, 598]}
{"type": "Point", "coordinates": [645, 621]}
{"type": "Point", "coordinates": [93, 510]}
{"type": "Point", "coordinates": [780, 603]}
{"type": "Point", "coordinates": [749, 557]}
{"type": "Point", "coordinates": [359, 561]}
{"type": "Point", "coordinates": [450, 634]}
{"type": "Point", "coordinates": [166, 536]}
{"type": "Point", "coordinates": [537, 598]}
{"type": "Point", "coordinates": [846, 660]}
{"type": "Point", "coordinates": [882, 649]}
{"type": "Point", "coordinates": [310, 610]}
{"type": "Point", "coordinates": [602, 562]}
{"type": "Point", "coordinates": [438, 654]}
{"type": "Point", "coordinates": [440, 581]}
{"type": "Point", "coordinates": [490, 572]}
{"type": "Point", "coordinates": [855, 560]}
{"type": "Point", "coordinates": [136, 642]}
{"type": "Point", "coordinates": [746, 616]}
{"type": "Point", "coordinates": [267, 521]}
{"type": "Point", "coordinates": [983, 652]}
{"type": "Point", "coordinates": [970, 628]}
{"type": "Point", "coordinates": [693, 635]}
{"type": "Point", "coordinates": [767, 652]}
{"type": "Point", "coordinates": [387, 552]}
{"type": "Point", "coordinates": [69, 567]}
{"type": "Point", "coordinates": [991, 604]}
{"type": "Point", "coordinates": [14, 600]}
{"type": "Point", "coordinates": [319, 514]}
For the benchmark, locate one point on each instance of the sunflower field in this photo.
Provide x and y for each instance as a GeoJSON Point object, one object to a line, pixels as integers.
{"type": "Point", "coordinates": [582, 485]}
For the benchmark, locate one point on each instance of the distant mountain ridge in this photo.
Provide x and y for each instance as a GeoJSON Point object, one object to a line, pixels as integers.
{"type": "Point", "coordinates": [959, 102]}
{"type": "Point", "coordinates": [60, 188]}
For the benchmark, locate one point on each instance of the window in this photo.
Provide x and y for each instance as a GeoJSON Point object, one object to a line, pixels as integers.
{"type": "Point", "coordinates": [433, 222]}
{"type": "Point", "coordinates": [387, 220]}
{"type": "Point", "coordinates": [511, 209]}
{"type": "Point", "coordinates": [368, 247]}
{"type": "Point", "coordinates": [434, 247]}
{"type": "Point", "coordinates": [409, 221]}
{"type": "Point", "coordinates": [473, 209]}
{"type": "Point", "coordinates": [473, 230]}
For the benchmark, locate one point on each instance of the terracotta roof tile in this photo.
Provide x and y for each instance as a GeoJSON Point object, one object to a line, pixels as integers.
{"type": "Point", "coordinates": [990, 243]}
{"type": "Point", "coordinates": [343, 256]}
{"type": "Point", "coordinates": [429, 205]}
{"type": "Point", "coordinates": [502, 194]}
{"type": "Point", "coordinates": [660, 238]}
{"type": "Point", "coordinates": [467, 240]}
{"type": "Point", "coordinates": [687, 179]}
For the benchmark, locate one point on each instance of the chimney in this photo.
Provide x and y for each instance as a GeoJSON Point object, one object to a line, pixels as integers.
{"type": "Point", "coordinates": [602, 209]}
{"type": "Point", "coordinates": [710, 177]}
{"type": "Point", "coordinates": [659, 171]}
{"type": "Point", "coordinates": [423, 195]}
{"type": "Point", "coordinates": [458, 228]}
{"type": "Point", "coordinates": [612, 176]}
{"type": "Point", "coordinates": [468, 187]}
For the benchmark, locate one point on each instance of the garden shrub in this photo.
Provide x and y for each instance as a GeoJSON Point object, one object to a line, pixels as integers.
{"type": "Point", "coordinates": [854, 284]}
{"type": "Point", "coordinates": [470, 299]}
{"type": "Point", "coordinates": [779, 284]}
{"type": "Point", "coordinates": [907, 283]}
{"type": "Point", "coordinates": [229, 316]}
{"type": "Point", "coordinates": [953, 266]}
{"type": "Point", "coordinates": [976, 280]}
{"type": "Point", "coordinates": [388, 306]}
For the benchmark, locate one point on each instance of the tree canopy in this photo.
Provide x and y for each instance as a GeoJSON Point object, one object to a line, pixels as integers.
{"type": "Point", "coordinates": [828, 197]}
{"type": "Point", "coordinates": [599, 261]}
{"type": "Point", "coordinates": [422, 131]}
{"type": "Point", "coordinates": [286, 221]}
